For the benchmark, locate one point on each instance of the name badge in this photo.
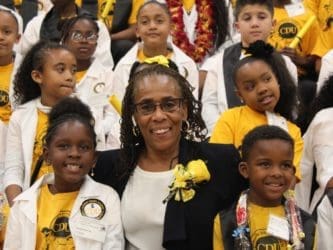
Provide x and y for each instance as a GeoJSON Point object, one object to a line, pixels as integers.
{"type": "Point", "coordinates": [294, 9]}
{"type": "Point", "coordinates": [278, 227]}
{"type": "Point", "coordinates": [89, 228]}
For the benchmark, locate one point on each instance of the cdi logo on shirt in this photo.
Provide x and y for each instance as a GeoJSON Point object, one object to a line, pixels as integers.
{"type": "Point", "coordinates": [287, 30]}
{"type": "Point", "coordinates": [4, 98]}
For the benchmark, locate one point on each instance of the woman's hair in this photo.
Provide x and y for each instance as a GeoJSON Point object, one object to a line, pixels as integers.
{"type": "Point", "coordinates": [67, 110]}
{"type": "Point", "coordinates": [323, 100]}
{"type": "Point", "coordinates": [133, 143]}
{"type": "Point", "coordinates": [25, 88]}
{"type": "Point", "coordinates": [259, 50]}
{"type": "Point", "coordinates": [69, 23]}
{"type": "Point", "coordinates": [264, 132]}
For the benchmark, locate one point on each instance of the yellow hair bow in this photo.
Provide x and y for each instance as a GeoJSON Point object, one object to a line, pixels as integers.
{"type": "Point", "coordinates": [158, 59]}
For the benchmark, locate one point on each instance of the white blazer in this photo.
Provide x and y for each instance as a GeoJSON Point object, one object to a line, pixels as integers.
{"type": "Point", "coordinates": [94, 89]}
{"type": "Point", "coordinates": [32, 32]}
{"type": "Point", "coordinates": [214, 97]}
{"type": "Point", "coordinates": [326, 69]}
{"type": "Point", "coordinates": [22, 222]}
{"type": "Point", "coordinates": [20, 142]}
{"type": "Point", "coordinates": [318, 149]}
{"type": "Point", "coordinates": [186, 67]}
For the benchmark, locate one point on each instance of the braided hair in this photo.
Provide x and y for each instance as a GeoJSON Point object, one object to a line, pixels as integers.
{"type": "Point", "coordinates": [133, 143]}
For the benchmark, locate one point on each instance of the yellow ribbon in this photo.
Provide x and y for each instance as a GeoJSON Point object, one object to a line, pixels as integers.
{"type": "Point", "coordinates": [158, 59]}
{"type": "Point", "coordinates": [115, 102]}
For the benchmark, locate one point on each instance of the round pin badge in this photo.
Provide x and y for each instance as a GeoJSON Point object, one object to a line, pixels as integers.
{"type": "Point", "coordinates": [93, 208]}
{"type": "Point", "coordinates": [99, 87]}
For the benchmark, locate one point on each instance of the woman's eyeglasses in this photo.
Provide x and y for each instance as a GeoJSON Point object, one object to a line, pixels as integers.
{"type": "Point", "coordinates": [77, 36]}
{"type": "Point", "coordinates": [149, 107]}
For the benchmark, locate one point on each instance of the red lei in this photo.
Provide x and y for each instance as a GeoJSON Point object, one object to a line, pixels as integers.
{"type": "Point", "coordinates": [204, 40]}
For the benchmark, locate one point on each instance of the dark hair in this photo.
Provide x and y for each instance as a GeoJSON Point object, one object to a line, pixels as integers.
{"type": "Point", "coordinates": [69, 109]}
{"type": "Point", "coordinates": [240, 4]}
{"type": "Point", "coordinates": [69, 23]}
{"type": "Point", "coordinates": [162, 5]}
{"type": "Point", "coordinates": [264, 132]}
{"type": "Point", "coordinates": [324, 98]}
{"type": "Point", "coordinates": [259, 50]}
{"type": "Point", "coordinates": [220, 16]}
{"type": "Point", "coordinates": [25, 88]}
{"type": "Point", "coordinates": [133, 145]}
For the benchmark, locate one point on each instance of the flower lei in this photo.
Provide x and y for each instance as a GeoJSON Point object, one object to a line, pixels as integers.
{"type": "Point", "coordinates": [296, 234]}
{"type": "Point", "coordinates": [204, 40]}
{"type": "Point", "coordinates": [186, 178]}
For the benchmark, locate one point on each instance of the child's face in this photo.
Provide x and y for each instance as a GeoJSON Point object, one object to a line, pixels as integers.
{"type": "Point", "coordinates": [82, 39]}
{"type": "Point", "coordinates": [270, 171]}
{"type": "Point", "coordinates": [57, 78]}
{"type": "Point", "coordinates": [71, 153]}
{"type": "Point", "coordinates": [153, 25]}
{"type": "Point", "coordinates": [254, 22]}
{"type": "Point", "coordinates": [8, 35]}
{"type": "Point", "coordinates": [257, 86]}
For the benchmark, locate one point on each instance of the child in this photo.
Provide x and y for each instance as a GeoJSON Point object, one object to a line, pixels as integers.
{"type": "Point", "coordinates": [94, 81]}
{"type": "Point", "coordinates": [9, 36]}
{"type": "Point", "coordinates": [153, 28]}
{"type": "Point", "coordinates": [46, 75]}
{"type": "Point", "coordinates": [67, 209]}
{"type": "Point", "coordinates": [316, 163]}
{"type": "Point", "coordinates": [47, 26]}
{"type": "Point", "coordinates": [254, 21]}
{"type": "Point", "coordinates": [269, 96]}
{"type": "Point", "coordinates": [266, 216]}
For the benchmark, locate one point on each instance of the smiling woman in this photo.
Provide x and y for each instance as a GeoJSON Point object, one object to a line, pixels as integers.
{"type": "Point", "coordinates": [161, 133]}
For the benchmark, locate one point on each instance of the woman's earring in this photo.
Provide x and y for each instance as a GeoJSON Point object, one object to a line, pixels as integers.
{"type": "Point", "coordinates": [135, 129]}
{"type": "Point", "coordinates": [185, 126]}
{"type": "Point", "coordinates": [92, 174]}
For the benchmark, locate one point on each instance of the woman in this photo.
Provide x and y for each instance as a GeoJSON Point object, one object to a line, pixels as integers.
{"type": "Point", "coordinates": [162, 127]}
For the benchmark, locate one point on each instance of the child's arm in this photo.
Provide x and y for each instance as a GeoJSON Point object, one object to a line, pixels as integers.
{"type": "Point", "coordinates": [307, 62]}
{"type": "Point", "coordinates": [13, 238]}
{"type": "Point", "coordinates": [114, 235]}
{"type": "Point", "coordinates": [325, 224]}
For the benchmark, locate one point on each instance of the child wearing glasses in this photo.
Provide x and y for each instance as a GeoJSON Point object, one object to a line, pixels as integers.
{"type": "Point", "coordinates": [47, 27]}
{"type": "Point", "coordinates": [93, 79]}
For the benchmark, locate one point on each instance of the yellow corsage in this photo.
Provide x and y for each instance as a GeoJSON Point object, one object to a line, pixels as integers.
{"type": "Point", "coordinates": [186, 178]}
{"type": "Point", "coordinates": [158, 59]}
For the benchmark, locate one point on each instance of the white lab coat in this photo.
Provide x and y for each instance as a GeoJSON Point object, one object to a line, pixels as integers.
{"type": "Point", "coordinates": [326, 69]}
{"type": "Point", "coordinates": [20, 142]}
{"type": "Point", "coordinates": [186, 67]}
{"type": "Point", "coordinates": [325, 225]}
{"type": "Point", "coordinates": [32, 32]}
{"type": "Point", "coordinates": [94, 89]}
{"type": "Point", "coordinates": [214, 98]}
{"type": "Point", "coordinates": [318, 149]}
{"type": "Point", "coordinates": [22, 223]}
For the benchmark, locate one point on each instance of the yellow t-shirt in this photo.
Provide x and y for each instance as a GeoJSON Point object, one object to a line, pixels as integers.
{"type": "Point", "coordinates": [41, 128]}
{"type": "Point", "coordinates": [101, 5]}
{"type": "Point", "coordinates": [324, 42]}
{"type": "Point", "coordinates": [235, 123]}
{"type": "Point", "coordinates": [53, 212]}
{"type": "Point", "coordinates": [323, 9]}
{"type": "Point", "coordinates": [5, 79]}
{"type": "Point", "coordinates": [258, 222]}
{"type": "Point", "coordinates": [141, 56]}
{"type": "Point", "coordinates": [286, 29]}
{"type": "Point", "coordinates": [79, 75]}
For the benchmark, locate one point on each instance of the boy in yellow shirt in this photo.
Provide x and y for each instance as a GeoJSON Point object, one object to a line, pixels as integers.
{"type": "Point", "coordinates": [265, 216]}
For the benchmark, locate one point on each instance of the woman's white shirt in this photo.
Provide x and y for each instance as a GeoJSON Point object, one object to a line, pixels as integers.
{"type": "Point", "coordinates": [143, 210]}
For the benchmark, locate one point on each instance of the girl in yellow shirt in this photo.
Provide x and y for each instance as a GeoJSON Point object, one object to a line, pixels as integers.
{"type": "Point", "coordinates": [266, 88]}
